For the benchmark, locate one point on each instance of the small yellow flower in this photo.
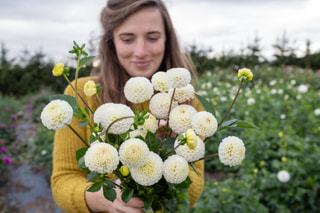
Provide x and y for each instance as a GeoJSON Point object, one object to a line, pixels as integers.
{"type": "Point", "coordinates": [245, 74]}
{"type": "Point", "coordinates": [216, 183]}
{"type": "Point", "coordinates": [124, 170]}
{"type": "Point", "coordinates": [191, 138]}
{"type": "Point", "coordinates": [58, 69]}
{"type": "Point", "coordinates": [90, 88]}
{"type": "Point", "coordinates": [283, 159]}
{"type": "Point", "coordinates": [280, 134]}
{"type": "Point", "coordinates": [255, 171]}
{"type": "Point", "coordinates": [262, 163]}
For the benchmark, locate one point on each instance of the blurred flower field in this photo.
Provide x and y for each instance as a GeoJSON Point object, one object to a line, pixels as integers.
{"type": "Point", "coordinates": [283, 101]}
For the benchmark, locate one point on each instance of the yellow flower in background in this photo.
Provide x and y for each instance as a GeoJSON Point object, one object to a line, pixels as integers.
{"type": "Point", "coordinates": [124, 170]}
{"type": "Point", "coordinates": [245, 74]}
{"type": "Point", "coordinates": [280, 134]}
{"type": "Point", "coordinates": [90, 88]}
{"type": "Point", "coordinates": [262, 163]}
{"type": "Point", "coordinates": [58, 69]}
{"type": "Point", "coordinates": [283, 159]}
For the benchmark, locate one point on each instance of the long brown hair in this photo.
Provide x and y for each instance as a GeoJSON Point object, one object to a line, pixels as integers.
{"type": "Point", "coordinates": [112, 76]}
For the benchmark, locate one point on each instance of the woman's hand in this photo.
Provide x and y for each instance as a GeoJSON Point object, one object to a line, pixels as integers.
{"type": "Point", "coordinates": [98, 203]}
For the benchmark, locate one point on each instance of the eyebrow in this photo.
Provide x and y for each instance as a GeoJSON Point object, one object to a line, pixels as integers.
{"type": "Point", "coordinates": [130, 34]}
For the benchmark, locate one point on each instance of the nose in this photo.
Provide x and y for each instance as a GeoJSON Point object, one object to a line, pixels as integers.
{"type": "Point", "coordinates": [140, 50]}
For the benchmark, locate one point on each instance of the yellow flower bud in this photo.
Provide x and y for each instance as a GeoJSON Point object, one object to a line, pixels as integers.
{"type": "Point", "coordinates": [192, 139]}
{"type": "Point", "coordinates": [58, 69]}
{"type": "Point", "coordinates": [124, 170]}
{"type": "Point", "coordinates": [284, 159]}
{"type": "Point", "coordinates": [245, 74]}
{"type": "Point", "coordinates": [262, 163]}
{"type": "Point", "coordinates": [255, 171]}
{"type": "Point", "coordinates": [90, 88]}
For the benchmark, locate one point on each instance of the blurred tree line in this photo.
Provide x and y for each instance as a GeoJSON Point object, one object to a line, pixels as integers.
{"type": "Point", "coordinates": [30, 73]}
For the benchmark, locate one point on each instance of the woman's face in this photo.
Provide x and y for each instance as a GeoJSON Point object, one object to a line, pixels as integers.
{"type": "Point", "coordinates": [140, 42]}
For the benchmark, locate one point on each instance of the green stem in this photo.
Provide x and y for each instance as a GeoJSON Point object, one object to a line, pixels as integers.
{"type": "Point", "coordinates": [205, 157]}
{"type": "Point", "coordinates": [168, 153]}
{"type": "Point", "coordinates": [99, 99]}
{"type": "Point", "coordinates": [234, 100]}
{"type": "Point", "coordinates": [77, 73]}
{"type": "Point", "coordinates": [77, 93]}
{"type": "Point", "coordinates": [79, 136]}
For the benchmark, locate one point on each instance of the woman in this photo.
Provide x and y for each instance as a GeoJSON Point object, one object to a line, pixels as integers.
{"type": "Point", "coordinates": [138, 40]}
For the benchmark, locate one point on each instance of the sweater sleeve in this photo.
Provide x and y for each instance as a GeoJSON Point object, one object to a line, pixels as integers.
{"type": "Point", "coordinates": [68, 180]}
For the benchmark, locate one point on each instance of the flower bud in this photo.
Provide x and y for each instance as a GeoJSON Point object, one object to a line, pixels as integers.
{"type": "Point", "coordinates": [191, 139]}
{"type": "Point", "coordinates": [90, 88]}
{"type": "Point", "coordinates": [58, 69]}
{"type": "Point", "coordinates": [124, 170]}
{"type": "Point", "coordinates": [245, 74]}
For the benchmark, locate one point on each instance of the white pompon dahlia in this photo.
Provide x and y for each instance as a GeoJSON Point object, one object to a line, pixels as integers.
{"type": "Point", "coordinates": [150, 173]}
{"type": "Point", "coordinates": [183, 94]}
{"type": "Point", "coordinates": [191, 154]}
{"type": "Point", "coordinates": [101, 158]}
{"type": "Point", "coordinates": [150, 124]}
{"type": "Point", "coordinates": [138, 132]}
{"type": "Point", "coordinates": [175, 169]}
{"type": "Point", "coordinates": [159, 105]}
{"type": "Point", "coordinates": [180, 118]}
{"type": "Point", "coordinates": [57, 115]}
{"type": "Point", "coordinates": [138, 90]}
{"type": "Point", "coordinates": [231, 151]}
{"type": "Point", "coordinates": [159, 83]}
{"type": "Point", "coordinates": [204, 124]}
{"type": "Point", "coordinates": [134, 153]}
{"type": "Point", "coordinates": [283, 176]}
{"type": "Point", "coordinates": [109, 112]}
{"type": "Point", "coordinates": [178, 77]}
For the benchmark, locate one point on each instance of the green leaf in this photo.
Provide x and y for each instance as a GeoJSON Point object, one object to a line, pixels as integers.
{"type": "Point", "coordinates": [236, 124]}
{"type": "Point", "coordinates": [81, 152]}
{"type": "Point", "coordinates": [83, 123]}
{"type": "Point", "coordinates": [169, 144]}
{"type": "Point", "coordinates": [109, 193]}
{"type": "Point", "coordinates": [172, 204]}
{"type": "Point", "coordinates": [68, 98]}
{"type": "Point", "coordinates": [85, 60]}
{"type": "Point", "coordinates": [95, 187]}
{"type": "Point", "coordinates": [151, 141]}
{"type": "Point", "coordinates": [194, 168]}
{"type": "Point", "coordinates": [92, 176]}
{"type": "Point", "coordinates": [127, 194]}
{"type": "Point", "coordinates": [207, 105]}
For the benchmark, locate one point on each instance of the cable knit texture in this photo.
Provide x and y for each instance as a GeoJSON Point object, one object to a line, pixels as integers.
{"type": "Point", "coordinates": [68, 180]}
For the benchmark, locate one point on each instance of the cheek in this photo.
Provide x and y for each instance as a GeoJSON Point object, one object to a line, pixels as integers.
{"type": "Point", "coordinates": [122, 51]}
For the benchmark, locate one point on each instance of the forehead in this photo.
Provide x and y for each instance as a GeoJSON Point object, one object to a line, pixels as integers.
{"type": "Point", "coordinates": [144, 20]}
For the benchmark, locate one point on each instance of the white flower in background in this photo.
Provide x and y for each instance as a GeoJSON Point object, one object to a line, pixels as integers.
{"type": "Point", "coordinates": [209, 85]}
{"type": "Point", "coordinates": [150, 124]}
{"type": "Point", "coordinates": [56, 115]}
{"type": "Point", "coordinates": [159, 82]}
{"type": "Point", "coordinates": [90, 88]}
{"type": "Point", "coordinates": [134, 153]}
{"type": "Point", "coordinates": [204, 123]}
{"type": "Point", "coordinates": [258, 91]}
{"type": "Point", "coordinates": [317, 111]}
{"type": "Point", "coordinates": [273, 91]}
{"type": "Point", "coordinates": [178, 77]}
{"type": "Point", "coordinates": [159, 105]}
{"type": "Point", "coordinates": [299, 96]}
{"type": "Point", "coordinates": [180, 118]}
{"type": "Point", "coordinates": [150, 173]}
{"type": "Point", "coordinates": [293, 82]}
{"type": "Point", "coordinates": [283, 176]}
{"type": "Point", "coordinates": [101, 158]}
{"type": "Point", "coordinates": [44, 152]}
{"type": "Point", "coordinates": [280, 91]}
{"type": "Point", "coordinates": [203, 93]}
{"type": "Point", "coordinates": [223, 98]}
{"type": "Point", "coordinates": [138, 90]}
{"type": "Point", "coordinates": [138, 132]}
{"type": "Point", "coordinates": [283, 116]}
{"type": "Point", "coordinates": [175, 169]}
{"type": "Point", "coordinates": [273, 82]}
{"type": "Point", "coordinates": [251, 101]}
{"type": "Point", "coordinates": [191, 154]}
{"type": "Point", "coordinates": [286, 97]}
{"type": "Point", "coordinates": [183, 94]}
{"type": "Point", "coordinates": [109, 112]}
{"type": "Point", "coordinates": [216, 90]}
{"type": "Point", "coordinates": [231, 151]}
{"type": "Point", "coordinates": [303, 88]}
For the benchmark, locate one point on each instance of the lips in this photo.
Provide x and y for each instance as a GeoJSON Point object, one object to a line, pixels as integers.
{"type": "Point", "coordinates": [141, 64]}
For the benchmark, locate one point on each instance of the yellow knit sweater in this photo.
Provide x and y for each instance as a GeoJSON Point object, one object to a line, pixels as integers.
{"type": "Point", "coordinates": [68, 180]}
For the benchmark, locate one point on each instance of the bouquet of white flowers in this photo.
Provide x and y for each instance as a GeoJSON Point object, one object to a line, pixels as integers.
{"type": "Point", "coordinates": [125, 142]}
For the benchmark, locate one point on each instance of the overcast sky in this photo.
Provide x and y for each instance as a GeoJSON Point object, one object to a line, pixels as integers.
{"type": "Point", "coordinates": [51, 26]}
